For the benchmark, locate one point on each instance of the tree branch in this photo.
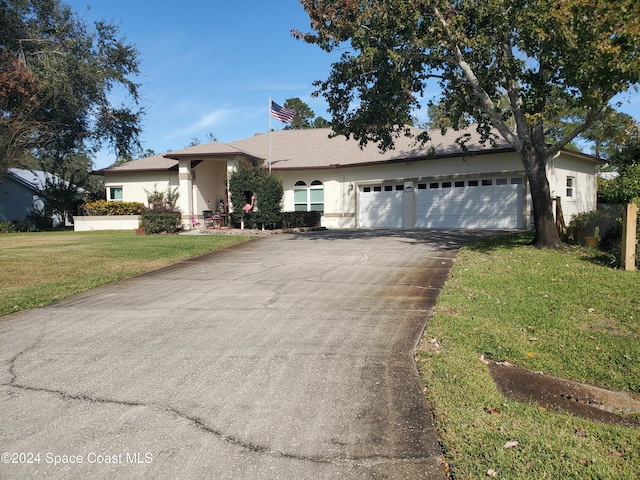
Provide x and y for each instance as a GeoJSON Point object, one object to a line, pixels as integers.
{"type": "Point", "coordinates": [591, 117]}
{"type": "Point", "coordinates": [479, 92]}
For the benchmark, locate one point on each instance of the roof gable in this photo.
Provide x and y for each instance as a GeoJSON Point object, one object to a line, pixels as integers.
{"type": "Point", "coordinates": [152, 163]}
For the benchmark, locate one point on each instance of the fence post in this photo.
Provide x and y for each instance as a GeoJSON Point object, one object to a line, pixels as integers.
{"type": "Point", "coordinates": [629, 232]}
{"type": "Point", "coordinates": [560, 225]}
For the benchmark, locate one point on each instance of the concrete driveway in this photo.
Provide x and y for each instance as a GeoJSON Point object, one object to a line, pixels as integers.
{"type": "Point", "coordinates": [290, 356]}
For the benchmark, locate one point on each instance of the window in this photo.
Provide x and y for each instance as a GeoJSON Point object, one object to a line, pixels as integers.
{"type": "Point", "coordinates": [570, 186]}
{"type": "Point", "coordinates": [388, 188]}
{"type": "Point", "coordinates": [473, 183]}
{"type": "Point", "coordinates": [487, 182]}
{"type": "Point", "coordinates": [434, 185]}
{"type": "Point", "coordinates": [316, 196]}
{"type": "Point", "coordinates": [422, 186]}
{"type": "Point", "coordinates": [501, 181]}
{"type": "Point", "coordinates": [300, 196]}
{"type": "Point", "coordinates": [308, 198]}
{"type": "Point", "coordinates": [399, 187]}
{"type": "Point", "coordinates": [114, 194]}
{"type": "Point", "coordinates": [516, 181]}
{"type": "Point", "coordinates": [446, 184]}
{"type": "Point", "coordinates": [459, 183]}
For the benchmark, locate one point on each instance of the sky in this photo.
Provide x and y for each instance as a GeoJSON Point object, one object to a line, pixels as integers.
{"type": "Point", "coordinates": [209, 67]}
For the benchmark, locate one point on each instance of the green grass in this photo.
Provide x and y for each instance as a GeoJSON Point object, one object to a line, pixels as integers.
{"type": "Point", "coordinates": [39, 268]}
{"type": "Point", "coordinates": [556, 312]}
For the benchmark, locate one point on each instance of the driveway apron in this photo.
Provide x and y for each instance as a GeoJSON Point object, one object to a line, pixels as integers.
{"type": "Point", "coordinates": [290, 356]}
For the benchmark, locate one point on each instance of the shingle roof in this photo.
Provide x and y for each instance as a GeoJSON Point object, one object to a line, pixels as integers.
{"type": "Point", "coordinates": [154, 162]}
{"type": "Point", "coordinates": [314, 148]}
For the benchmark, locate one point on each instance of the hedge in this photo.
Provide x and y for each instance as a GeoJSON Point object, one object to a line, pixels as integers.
{"type": "Point", "coordinates": [161, 222]}
{"type": "Point", "coordinates": [300, 219]}
{"type": "Point", "coordinates": [103, 207]}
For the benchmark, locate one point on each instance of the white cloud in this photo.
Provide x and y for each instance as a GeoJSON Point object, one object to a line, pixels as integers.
{"type": "Point", "coordinates": [212, 119]}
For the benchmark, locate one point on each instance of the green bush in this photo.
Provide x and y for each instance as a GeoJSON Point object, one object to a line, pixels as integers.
{"type": "Point", "coordinates": [161, 222]}
{"type": "Point", "coordinates": [7, 227]}
{"type": "Point", "coordinates": [23, 226]}
{"type": "Point", "coordinates": [39, 220]}
{"type": "Point", "coordinates": [594, 222]}
{"type": "Point", "coordinates": [103, 207]}
{"type": "Point", "coordinates": [300, 219]}
{"type": "Point", "coordinates": [267, 189]}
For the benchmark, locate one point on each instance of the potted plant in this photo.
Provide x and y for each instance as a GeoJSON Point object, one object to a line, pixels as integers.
{"type": "Point", "coordinates": [593, 240]}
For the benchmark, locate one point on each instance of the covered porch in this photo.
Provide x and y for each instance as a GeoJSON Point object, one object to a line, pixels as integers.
{"type": "Point", "coordinates": [203, 184]}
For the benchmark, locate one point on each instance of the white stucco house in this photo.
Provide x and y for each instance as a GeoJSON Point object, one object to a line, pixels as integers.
{"type": "Point", "coordinates": [433, 186]}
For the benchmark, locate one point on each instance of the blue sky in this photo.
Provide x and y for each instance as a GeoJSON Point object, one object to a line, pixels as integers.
{"type": "Point", "coordinates": [210, 66]}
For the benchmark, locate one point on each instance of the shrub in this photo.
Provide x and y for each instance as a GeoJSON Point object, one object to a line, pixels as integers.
{"type": "Point", "coordinates": [267, 189]}
{"type": "Point", "coordinates": [300, 219]}
{"type": "Point", "coordinates": [103, 207]}
{"type": "Point", "coordinates": [161, 222]}
{"type": "Point", "coordinates": [588, 223]}
{"type": "Point", "coordinates": [163, 201]}
{"type": "Point", "coordinates": [7, 227]}
{"type": "Point", "coordinates": [39, 220]}
{"type": "Point", "coordinates": [23, 226]}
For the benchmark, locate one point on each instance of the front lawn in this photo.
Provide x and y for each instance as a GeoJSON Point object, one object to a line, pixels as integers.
{"type": "Point", "coordinates": [39, 268]}
{"type": "Point", "coordinates": [559, 313]}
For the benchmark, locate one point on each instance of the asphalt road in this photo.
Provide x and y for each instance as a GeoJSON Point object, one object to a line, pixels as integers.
{"type": "Point", "coordinates": [290, 356]}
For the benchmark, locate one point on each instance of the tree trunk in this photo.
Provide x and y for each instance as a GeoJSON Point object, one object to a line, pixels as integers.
{"type": "Point", "coordinates": [546, 233]}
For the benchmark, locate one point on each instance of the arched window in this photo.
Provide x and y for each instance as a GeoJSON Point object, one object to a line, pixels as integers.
{"type": "Point", "coordinates": [308, 198]}
{"type": "Point", "coordinates": [300, 196]}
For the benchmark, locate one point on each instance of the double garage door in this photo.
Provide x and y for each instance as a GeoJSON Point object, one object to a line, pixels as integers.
{"type": "Point", "coordinates": [472, 203]}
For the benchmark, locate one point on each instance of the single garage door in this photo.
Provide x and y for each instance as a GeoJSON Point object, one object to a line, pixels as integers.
{"type": "Point", "coordinates": [381, 206]}
{"type": "Point", "coordinates": [474, 203]}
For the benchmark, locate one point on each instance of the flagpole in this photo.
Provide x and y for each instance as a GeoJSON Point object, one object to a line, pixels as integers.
{"type": "Point", "coordinates": [269, 132]}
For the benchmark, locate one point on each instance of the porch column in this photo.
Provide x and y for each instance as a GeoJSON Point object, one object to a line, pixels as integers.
{"type": "Point", "coordinates": [185, 188]}
{"type": "Point", "coordinates": [232, 166]}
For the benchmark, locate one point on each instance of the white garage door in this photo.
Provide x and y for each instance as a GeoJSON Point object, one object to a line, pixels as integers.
{"type": "Point", "coordinates": [382, 206]}
{"type": "Point", "coordinates": [476, 203]}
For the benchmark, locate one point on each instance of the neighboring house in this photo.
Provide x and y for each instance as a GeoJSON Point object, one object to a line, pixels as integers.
{"type": "Point", "coordinates": [434, 186]}
{"type": "Point", "coordinates": [21, 193]}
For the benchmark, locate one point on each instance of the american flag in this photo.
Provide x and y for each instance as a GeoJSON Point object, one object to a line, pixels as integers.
{"type": "Point", "coordinates": [281, 113]}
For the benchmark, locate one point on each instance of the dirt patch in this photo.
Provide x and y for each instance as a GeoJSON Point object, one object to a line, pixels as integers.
{"type": "Point", "coordinates": [579, 399]}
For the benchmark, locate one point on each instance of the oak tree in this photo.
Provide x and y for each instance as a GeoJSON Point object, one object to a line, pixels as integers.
{"type": "Point", "coordinates": [59, 77]}
{"type": "Point", "coordinates": [583, 52]}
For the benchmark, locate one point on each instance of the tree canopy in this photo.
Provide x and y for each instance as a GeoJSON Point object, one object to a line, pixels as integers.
{"type": "Point", "coordinates": [542, 56]}
{"type": "Point", "coordinates": [626, 186]}
{"type": "Point", "coordinates": [305, 117]}
{"type": "Point", "coordinates": [58, 78]}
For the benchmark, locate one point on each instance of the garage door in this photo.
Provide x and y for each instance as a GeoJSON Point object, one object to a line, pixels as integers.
{"type": "Point", "coordinates": [381, 206]}
{"type": "Point", "coordinates": [475, 203]}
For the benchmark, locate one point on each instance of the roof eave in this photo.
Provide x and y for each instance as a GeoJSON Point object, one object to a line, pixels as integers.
{"type": "Point", "coordinates": [418, 158]}
{"type": "Point", "coordinates": [587, 156]}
